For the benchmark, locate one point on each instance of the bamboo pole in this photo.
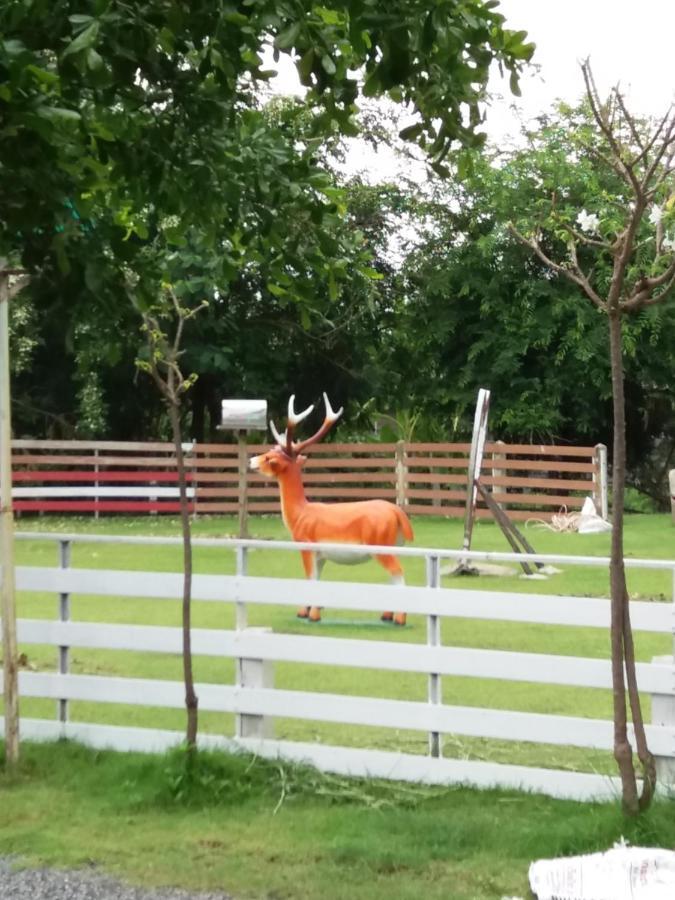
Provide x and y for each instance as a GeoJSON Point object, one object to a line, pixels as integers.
{"type": "Point", "coordinates": [7, 604]}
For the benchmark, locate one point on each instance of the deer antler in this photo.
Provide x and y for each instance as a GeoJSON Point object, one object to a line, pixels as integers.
{"type": "Point", "coordinates": [285, 440]}
{"type": "Point", "coordinates": [328, 422]}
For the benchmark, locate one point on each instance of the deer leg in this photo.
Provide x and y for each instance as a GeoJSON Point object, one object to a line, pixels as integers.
{"type": "Point", "coordinates": [315, 611]}
{"type": "Point", "coordinates": [393, 566]}
{"type": "Point", "coordinates": [313, 567]}
{"type": "Point", "coordinates": [309, 565]}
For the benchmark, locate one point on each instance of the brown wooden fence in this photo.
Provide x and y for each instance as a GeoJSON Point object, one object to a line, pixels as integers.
{"type": "Point", "coordinates": [424, 478]}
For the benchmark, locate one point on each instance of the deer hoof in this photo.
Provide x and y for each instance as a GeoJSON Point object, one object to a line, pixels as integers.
{"type": "Point", "coordinates": [399, 619]}
{"type": "Point", "coordinates": [315, 614]}
{"type": "Point", "coordinates": [303, 612]}
{"type": "Point", "coordinates": [387, 617]}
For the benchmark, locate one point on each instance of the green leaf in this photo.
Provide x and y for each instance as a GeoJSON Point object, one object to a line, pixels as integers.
{"type": "Point", "coordinates": [287, 38]}
{"type": "Point", "coordinates": [276, 290]}
{"type": "Point", "coordinates": [84, 40]}
{"type": "Point", "coordinates": [58, 114]}
{"type": "Point", "coordinates": [333, 291]}
{"type": "Point", "coordinates": [513, 84]}
{"type": "Point", "coordinates": [305, 66]}
{"type": "Point", "coordinates": [329, 16]}
{"type": "Point", "coordinates": [373, 85]}
{"type": "Point", "coordinates": [411, 132]}
{"type": "Point", "coordinates": [80, 19]}
{"type": "Point", "coordinates": [94, 60]}
{"type": "Point", "coordinates": [14, 48]}
{"type": "Point", "coordinates": [328, 64]}
{"type": "Point", "coordinates": [235, 18]}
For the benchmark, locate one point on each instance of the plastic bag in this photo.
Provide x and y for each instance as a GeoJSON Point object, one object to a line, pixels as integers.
{"type": "Point", "coordinates": [622, 873]}
{"type": "Point", "coordinates": [589, 521]}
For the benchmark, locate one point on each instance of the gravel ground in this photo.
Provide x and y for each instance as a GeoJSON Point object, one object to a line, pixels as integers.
{"type": "Point", "coordinates": [57, 884]}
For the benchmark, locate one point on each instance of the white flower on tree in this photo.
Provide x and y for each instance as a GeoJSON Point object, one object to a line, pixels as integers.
{"type": "Point", "coordinates": [669, 244]}
{"type": "Point", "coordinates": [588, 222]}
{"type": "Point", "coordinates": [655, 215]}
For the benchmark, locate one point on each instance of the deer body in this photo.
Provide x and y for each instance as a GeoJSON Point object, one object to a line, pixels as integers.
{"type": "Point", "coordinates": [375, 522]}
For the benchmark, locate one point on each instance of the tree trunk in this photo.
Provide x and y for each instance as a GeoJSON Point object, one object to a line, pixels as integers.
{"type": "Point", "coordinates": [7, 586]}
{"type": "Point", "coordinates": [191, 701]}
{"type": "Point", "coordinates": [621, 633]}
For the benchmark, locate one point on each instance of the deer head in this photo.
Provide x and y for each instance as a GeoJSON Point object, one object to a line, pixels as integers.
{"type": "Point", "coordinates": [288, 452]}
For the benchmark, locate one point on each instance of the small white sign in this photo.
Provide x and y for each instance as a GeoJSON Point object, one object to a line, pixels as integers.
{"type": "Point", "coordinates": [250, 415]}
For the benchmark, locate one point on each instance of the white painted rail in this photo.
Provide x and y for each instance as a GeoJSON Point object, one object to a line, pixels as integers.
{"type": "Point", "coordinates": [261, 703]}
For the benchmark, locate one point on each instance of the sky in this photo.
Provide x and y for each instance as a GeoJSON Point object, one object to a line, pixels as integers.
{"type": "Point", "coordinates": [631, 42]}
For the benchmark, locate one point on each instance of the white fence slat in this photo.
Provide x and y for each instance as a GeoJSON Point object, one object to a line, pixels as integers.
{"type": "Point", "coordinates": [148, 638]}
{"type": "Point", "coordinates": [118, 583]}
{"type": "Point", "coordinates": [471, 721]}
{"type": "Point", "coordinates": [460, 661]}
{"type": "Point", "coordinates": [534, 608]}
{"type": "Point", "coordinates": [355, 762]}
{"type": "Point", "coordinates": [107, 491]}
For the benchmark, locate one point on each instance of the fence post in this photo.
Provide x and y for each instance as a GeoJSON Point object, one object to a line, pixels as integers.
{"type": "Point", "coordinates": [401, 472]}
{"type": "Point", "coordinates": [663, 706]}
{"type": "Point", "coordinates": [434, 640]}
{"type": "Point", "coordinates": [600, 481]}
{"type": "Point", "coordinates": [255, 673]}
{"type": "Point", "coordinates": [242, 465]}
{"type": "Point", "coordinates": [195, 482]}
{"type": "Point", "coordinates": [241, 615]}
{"type": "Point", "coordinates": [64, 616]}
{"type": "Point", "coordinates": [499, 473]}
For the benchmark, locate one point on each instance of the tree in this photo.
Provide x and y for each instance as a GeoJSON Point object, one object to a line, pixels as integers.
{"type": "Point", "coordinates": [135, 126]}
{"type": "Point", "coordinates": [163, 366]}
{"type": "Point", "coordinates": [474, 308]}
{"type": "Point", "coordinates": [620, 257]}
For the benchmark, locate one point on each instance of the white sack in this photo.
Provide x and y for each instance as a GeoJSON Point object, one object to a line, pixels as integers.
{"type": "Point", "coordinates": [589, 521]}
{"type": "Point", "coordinates": [622, 873]}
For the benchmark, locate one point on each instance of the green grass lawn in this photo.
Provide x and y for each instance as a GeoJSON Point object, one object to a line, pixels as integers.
{"type": "Point", "coordinates": [263, 830]}
{"type": "Point", "coordinates": [138, 816]}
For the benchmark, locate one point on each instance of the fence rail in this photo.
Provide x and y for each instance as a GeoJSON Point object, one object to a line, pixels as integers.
{"type": "Point", "coordinates": [424, 478]}
{"type": "Point", "coordinates": [255, 702]}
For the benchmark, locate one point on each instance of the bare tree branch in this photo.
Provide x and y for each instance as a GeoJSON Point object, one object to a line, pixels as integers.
{"type": "Point", "coordinates": [637, 137]}
{"type": "Point", "coordinates": [592, 242]}
{"type": "Point", "coordinates": [666, 149]}
{"type": "Point", "coordinates": [605, 127]}
{"type": "Point", "coordinates": [575, 274]}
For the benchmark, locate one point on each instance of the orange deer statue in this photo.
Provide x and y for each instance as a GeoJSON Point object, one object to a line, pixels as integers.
{"type": "Point", "coordinates": [375, 522]}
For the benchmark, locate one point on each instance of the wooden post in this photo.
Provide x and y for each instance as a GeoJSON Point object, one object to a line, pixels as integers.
{"type": "Point", "coordinates": [499, 473]}
{"type": "Point", "coordinates": [401, 472]}
{"type": "Point", "coordinates": [96, 470]}
{"type": "Point", "coordinates": [600, 481]}
{"type": "Point", "coordinates": [7, 586]}
{"type": "Point", "coordinates": [478, 438]}
{"type": "Point", "coordinates": [243, 486]}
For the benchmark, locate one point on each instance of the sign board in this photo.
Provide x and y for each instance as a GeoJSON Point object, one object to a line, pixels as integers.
{"type": "Point", "coordinates": [244, 415]}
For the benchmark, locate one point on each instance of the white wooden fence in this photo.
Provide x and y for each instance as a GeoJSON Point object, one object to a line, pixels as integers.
{"type": "Point", "coordinates": [255, 701]}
